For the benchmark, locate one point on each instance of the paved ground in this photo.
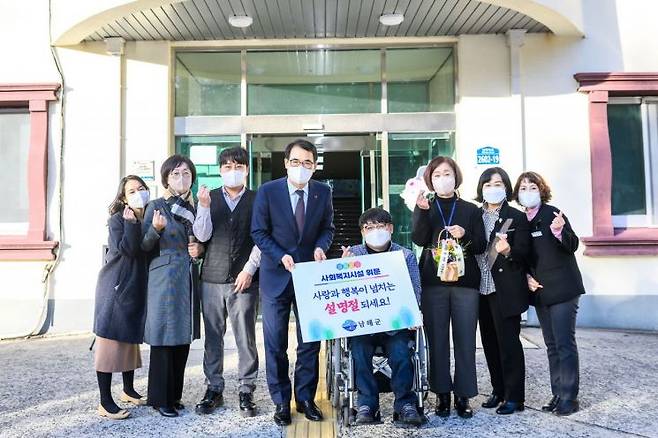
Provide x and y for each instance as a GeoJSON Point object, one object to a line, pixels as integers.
{"type": "Point", "coordinates": [47, 388]}
{"type": "Point", "coordinates": [619, 394]}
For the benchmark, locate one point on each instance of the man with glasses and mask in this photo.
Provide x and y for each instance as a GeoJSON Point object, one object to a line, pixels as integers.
{"type": "Point", "coordinates": [292, 222]}
{"type": "Point", "coordinates": [227, 288]}
{"type": "Point", "coordinates": [376, 227]}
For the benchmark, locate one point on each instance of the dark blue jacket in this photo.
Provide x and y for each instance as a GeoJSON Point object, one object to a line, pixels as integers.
{"type": "Point", "coordinates": [120, 308]}
{"type": "Point", "coordinates": [274, 230]}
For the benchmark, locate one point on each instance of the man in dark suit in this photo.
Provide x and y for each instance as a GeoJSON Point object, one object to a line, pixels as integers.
{"type": "Point", "coordinates": [292, 222]}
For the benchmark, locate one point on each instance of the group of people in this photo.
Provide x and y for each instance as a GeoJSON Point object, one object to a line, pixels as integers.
{"type": "Point", "coordinates": [172, 259]}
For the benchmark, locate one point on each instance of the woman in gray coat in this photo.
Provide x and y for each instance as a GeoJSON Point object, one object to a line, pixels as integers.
{"type": "Point", "coordinates": [172, 315]}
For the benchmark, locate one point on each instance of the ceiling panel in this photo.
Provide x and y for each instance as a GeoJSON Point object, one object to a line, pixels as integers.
{"type": "Point", "coordinates": [197, 20]}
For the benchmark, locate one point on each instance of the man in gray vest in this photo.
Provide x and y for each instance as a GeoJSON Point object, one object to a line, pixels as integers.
{"type": "Point", "coordinates": [223, 221]}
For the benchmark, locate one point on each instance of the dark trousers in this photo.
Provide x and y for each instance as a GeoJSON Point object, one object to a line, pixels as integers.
{"type": "Point", "coordinates": [166, 374]}
{"type": "Point", "coordinates": [396, 349]}
{"type": "Point", "coordinates": [503, 349]}
{"type": "Point", "coordinates": [276, 317]}
{"type": "Point", "coordinates": [441, 306]}
{"type": "Point", "coordinates": [558, 325]}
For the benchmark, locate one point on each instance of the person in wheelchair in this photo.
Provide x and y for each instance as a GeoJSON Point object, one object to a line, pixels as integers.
{"type": "Point", "coordinates": [376, 227]}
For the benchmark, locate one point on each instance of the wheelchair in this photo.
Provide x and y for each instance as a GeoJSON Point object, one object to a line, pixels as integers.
{"type": "Point", "coordinates": [341, 387]}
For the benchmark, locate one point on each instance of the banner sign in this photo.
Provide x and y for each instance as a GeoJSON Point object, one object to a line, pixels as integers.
{"type": "Point", "coordinates": [354, 296]}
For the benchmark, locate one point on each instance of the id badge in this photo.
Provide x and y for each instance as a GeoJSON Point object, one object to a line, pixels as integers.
{"type": "Point", "coordinates": [536, 234]}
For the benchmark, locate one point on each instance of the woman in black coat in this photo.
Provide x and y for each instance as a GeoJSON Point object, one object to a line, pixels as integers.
{"type": "Point", "coordinates": [446, 303]}
{"type": "Point", "coordinates": [556, 286]}
{"type": "Point", "coordinates": [503, 290]}
{"type": "Point", "coordinates": [120, 308]}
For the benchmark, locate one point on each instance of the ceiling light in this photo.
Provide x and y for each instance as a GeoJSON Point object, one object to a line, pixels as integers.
{"type": "Point", "coordinates": [240, 20]}
{"type": "Point", "coordinates": [391, 19]}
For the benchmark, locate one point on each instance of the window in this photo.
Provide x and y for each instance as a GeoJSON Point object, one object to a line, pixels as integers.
{"type": "Point", "coordinates": [624, 161]}
{"type": "Point", "coordinates": [204, 152]}
{"type": "Point", "coordinates": [207, 84]}
{"type": "Point", "coordinates": [420, 80]}
{"type": "Point", "coordinates": [14, 149]}
{"type": "Point", "coordinates": [24, 155]}
{"type": "Point", "coordinates": [314, 82]}
{"type": "Point", "coordinates": [631, 123]}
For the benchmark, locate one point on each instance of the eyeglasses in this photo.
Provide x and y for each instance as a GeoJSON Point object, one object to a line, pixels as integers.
{"type": "Point", "coordinates": [372, 227]}
{"type": "Point", "coordinates": [306, 163]}
{"type": "Point", "coordinates": [178, 174]}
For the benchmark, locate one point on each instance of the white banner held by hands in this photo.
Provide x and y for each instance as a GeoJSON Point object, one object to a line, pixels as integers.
{"type": "Point", "coordinates": [354, 296]}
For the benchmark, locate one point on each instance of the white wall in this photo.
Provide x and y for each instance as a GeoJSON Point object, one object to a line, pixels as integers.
{"type": "Point", "coordinates": [92, 151]}
{"type": "Point", "coordinates": [147, 105]}
{"type": "Point", "coordinates": [22, 293]}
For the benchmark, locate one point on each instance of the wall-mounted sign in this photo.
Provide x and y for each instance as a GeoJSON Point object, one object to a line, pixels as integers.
{"type": "Point", "coordinates": [144, 169]}
{"type": "Point", "coordinates": [488, 156]}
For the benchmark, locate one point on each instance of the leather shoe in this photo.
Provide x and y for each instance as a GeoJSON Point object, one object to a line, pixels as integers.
{"type": "Point", "coordinates": [493, 401]}
{"type": "Point", "coordinates": [210, 401]}
{"type": "Point", "coordinates": [566, 407]}
{"type": "Point", "coordinates": [282, 415]}
{"type": "Point", "coordinates": [550, 406]}
{"type": "Point", "coordinates": [179, 406]}
{"type": "Point", "coordinates": [442, 408]}
{"type": "Point", "coordinates": [463, 408]}
{"type": "Point", "coordinates": [510, 407]}
{"type": "Point", "coordinates": [310, 410]}
{"type": "Point", "coordinates": [166, 411]}
{"type": "Point", "coordinates": [247, 405]}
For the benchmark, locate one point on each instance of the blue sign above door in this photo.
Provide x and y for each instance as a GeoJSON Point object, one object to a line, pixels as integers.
{"type": "Point", "coordinates": [488, 156]}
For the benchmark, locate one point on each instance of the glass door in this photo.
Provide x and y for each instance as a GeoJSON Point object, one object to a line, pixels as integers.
{"type": "Point", "coordinates": [204, 152]}
{"type": "Point", "coordinates": [369, 169]}
{"type": "Point", "coordinates": [407, 152]}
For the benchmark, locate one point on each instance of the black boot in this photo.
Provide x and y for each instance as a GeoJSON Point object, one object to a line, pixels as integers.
{"type": "Point", "coordinates": [463, 408]}
{"type": "Point", "coordinates": [493, 401]}
{"type": "Point", "coordinates": [442, 408]}
{"type": "Point", "coordinates": [551, 405]}
{"type": "Point", "coordinates": [247, 405]}
{"type": "Point", "coordinates": [509, 407]}
{"type": "Point", "coordinates": [211, 400]}
{"type": "Point", "coordinates": [566, 407]}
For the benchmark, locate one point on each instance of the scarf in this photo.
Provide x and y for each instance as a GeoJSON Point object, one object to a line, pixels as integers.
{"type": "Point", "coordinates": [182, 208]}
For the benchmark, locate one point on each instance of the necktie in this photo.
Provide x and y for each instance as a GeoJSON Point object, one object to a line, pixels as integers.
{"type": "Point", "coordinates": [299, 212]}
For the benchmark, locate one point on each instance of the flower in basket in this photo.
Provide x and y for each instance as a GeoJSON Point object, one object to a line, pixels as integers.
{"type": "Point", "coordinates": [451, 247]}
{"type": "Point", "coordinates": [449, 257]}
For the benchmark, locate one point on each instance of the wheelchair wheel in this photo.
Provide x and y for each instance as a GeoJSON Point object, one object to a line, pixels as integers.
{"type": "Point", "coordinates": [329, 372]}
{"type": "Point", "coordinates": [337, 374]}
{"type": "Point", "coordinates": [347, 416]}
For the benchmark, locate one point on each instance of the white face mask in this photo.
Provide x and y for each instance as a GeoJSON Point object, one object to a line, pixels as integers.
{"type": "Point", "coordinates": [233, 178]}
{"type": "Point", "coordinates": [444, 184]}
{"type": "Point", "coordinates": [299, 175]}
{"type": "Point", "coordinates": [178, 185]}
{"type": "Point", "coordinates": [378, 238]}
{"type": "Point", "coordinates": [138, 199]}
{"type": "Point", "coordinates": [494, 195]}
{"type": "Point", "coordinates": [529, 199]}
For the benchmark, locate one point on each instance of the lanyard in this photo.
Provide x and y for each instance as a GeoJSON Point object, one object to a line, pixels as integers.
{"type": "Point", "coordinates": [452, 212]}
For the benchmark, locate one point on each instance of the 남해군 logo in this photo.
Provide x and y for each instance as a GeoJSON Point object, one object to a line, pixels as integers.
{"type": "Point", "coordinates": [349, 325]}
